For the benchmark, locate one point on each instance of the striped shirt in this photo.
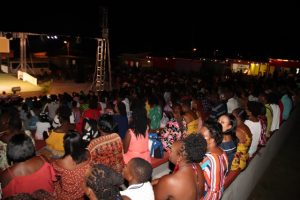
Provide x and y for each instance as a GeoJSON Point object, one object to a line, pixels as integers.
{"type": "Point", "coordinates": [215, 168]}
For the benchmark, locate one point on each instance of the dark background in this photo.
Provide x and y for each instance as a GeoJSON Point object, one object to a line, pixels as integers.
{"type": "Point", "coordinates": [244, 29]}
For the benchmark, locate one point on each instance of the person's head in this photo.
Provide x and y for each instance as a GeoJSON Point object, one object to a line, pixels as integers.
{"type": "Point", "coordinates": [121, 108]}
{"type": "Point", "coordinates": [176, 111]}
{"type": "Point", "coordinates": [74, 147]}
{"type": "Point", "coordinates": [64, 113]}
{"type": "Point", "coordinates": [189, 116]}
{"type": "Point", "coordinates": [137, 170]}
{"type": "Point", "coordinates": [190, 150]}
{"type": "Point", "coordinates": [228, 123]}
{"type": "Point", "coordinates": [212, 133]}
{"type": "Point", "coordinates": [139, 118]}
{"type": "Point", "coordinates": [103, 183]}
{"type": "Point", "coordinates": [240, 114]}
{"type": "Point", "coordinates": [254, 109]}
{"type": "Point", "coordinates": [20, 148]}
{"type": "Point", "coordinates": [106, 124]}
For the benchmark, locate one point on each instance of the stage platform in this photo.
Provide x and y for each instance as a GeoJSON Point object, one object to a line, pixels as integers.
{"type": "Point", "coordinates": [8, 81]}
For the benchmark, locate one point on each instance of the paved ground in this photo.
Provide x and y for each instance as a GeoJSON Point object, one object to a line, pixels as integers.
{"type": "Point", "coordinates": [282, 178]}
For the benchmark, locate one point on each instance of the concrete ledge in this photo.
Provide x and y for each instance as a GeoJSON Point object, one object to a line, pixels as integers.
{"type": "Point", "coordinates": [245, 182]}
{"type": "Point", "coordinates": [160, 166]}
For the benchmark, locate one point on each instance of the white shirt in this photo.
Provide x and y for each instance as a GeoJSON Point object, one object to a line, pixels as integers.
{"type": "Point", "coordinates": [232, 104]}
{"type": "Point", "coordinates": [255, 128]}
{"type": "Point", "coordinates": [40, 128]}
{"type": "Point", "coordinates": [276, 117]}
{"type": "Point", "coordinates": [139, 191]}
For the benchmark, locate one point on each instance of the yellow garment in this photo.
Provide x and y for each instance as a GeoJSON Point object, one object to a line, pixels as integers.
{"type": "Point", "coordinates": [147, 107]}
{"type": "Point", "coordinates": [269, 116]}
{"type": "Point", "coordinates": [192, 127]}
{"type": "Point", "coordinates": [55, 141]}
{"type": "Point", "coordinates": [241, 156]}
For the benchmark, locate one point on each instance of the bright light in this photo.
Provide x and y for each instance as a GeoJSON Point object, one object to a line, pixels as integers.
{"type": "Point", "coordinates": [194, 49]}
{"type": "Point", "coordinates": [297, 71]}
{"type": "Point", "coordinates": [55, 37]}
{"type": "Point", "coordinates": [148, 61]}
{"type": "Point", "coordinates": [48, 37]}
{"type": "Point", "coordinates": [65, 42]}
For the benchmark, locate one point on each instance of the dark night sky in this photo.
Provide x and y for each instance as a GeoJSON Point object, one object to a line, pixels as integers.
{"type": "Point", "coordinates": [250, 29]}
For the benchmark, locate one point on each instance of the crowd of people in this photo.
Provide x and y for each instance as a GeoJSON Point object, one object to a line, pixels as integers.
{"type": "Point", "coordinates": [96, 145]}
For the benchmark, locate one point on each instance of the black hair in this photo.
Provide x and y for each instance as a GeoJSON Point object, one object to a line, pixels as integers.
{"type": "Point", "coordinates": [122, 109]}
{"type": "Point", "coordinates": [241, 113]}
{"type": "Point", "coordinates": [141, 169]}
{"type": "Point", "coordinates": [93, 103]}
{"type": "Point", "coordinates": [139, 118]}
{"type": "Point", "coordinates": [215, 131]}
{"type": "Point", "coordinates": [107, 124]}
{"type": "Point", "coordinates": [64, 112]}
{"type": "Point", "coordinates": [20, 148]}
{"type": "Point", "coordinates": [15, 123]}
{"type": "Point", "coordinates": [194, 148]}
{"type": "Point", "coordinates": [232, 122]}
{"type": "Point", "coordinates": [255, 108]}
{"type": "Point", "coordinates": [104, 182]}
{"type": "Point", "coordinates": [74, 146]}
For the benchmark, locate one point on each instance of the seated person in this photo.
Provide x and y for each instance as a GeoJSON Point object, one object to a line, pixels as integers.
{"type": "Point", "coordinates": [28, 172]}
{"type": "Point", "coordinates": [108, 148]}
{"type": "Point", "coordinates": [103, 182]}
{"type": "Point", "coordinates": [138, 174]}
{"type": "Point", "coordinates": [71, 168]}
{"type": "Point", "coordinates": [187, 180]}
{"type": "Point", "coordinates": [136, 140]}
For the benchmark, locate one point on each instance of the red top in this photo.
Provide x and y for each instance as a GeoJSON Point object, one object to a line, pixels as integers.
{"type": "Point", "coordinates": [41, 179]}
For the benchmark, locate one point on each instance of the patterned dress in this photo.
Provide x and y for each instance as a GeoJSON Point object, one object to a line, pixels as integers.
{"type": "Point", "coordinates": [70, 184]}
{"type": "Point", "coordinates": [108, 150]}
{"type": "Point", "coordinates": [170, 134]}
{"type": "Point", "coordinates": [241, 156]}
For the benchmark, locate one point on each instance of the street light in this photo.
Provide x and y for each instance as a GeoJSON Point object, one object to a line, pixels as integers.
{"type": "Point", "coordinates": [68, 46]}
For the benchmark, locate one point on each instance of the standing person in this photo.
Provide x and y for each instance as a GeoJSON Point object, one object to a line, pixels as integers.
{"type": "Point", "coordinates": [72, 168]}
{"type": "Point", "coordinates": [28, 172]}
{"type": "Point", "coordinates": [187, 180]}
{"type": "Point", "coordinates": [138, 174]}
{"type": "Point", "coordinates": [136, 139]}
{"type": "Point", "coordinates": [215, 163]}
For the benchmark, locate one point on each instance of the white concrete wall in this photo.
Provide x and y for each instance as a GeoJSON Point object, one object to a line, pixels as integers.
{"type": "Point", "coordinates": [243, 185]}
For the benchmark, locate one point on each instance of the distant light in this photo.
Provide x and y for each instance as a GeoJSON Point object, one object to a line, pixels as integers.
{"type": "Point", "coordinates": [55, 37]}
{"type": "Point", "coordinates": [48, 37]}
{"type": "Point", "coordinates": [226, 60]}
{"type": "Point", "coordinates": [65, 42]}
{"type": "Point", "coordinates": [52, 37]}
{"type": "Point", "coordinates": [256, 64]}
{"type": "Point", "coordinates": [148, 61]}
{"type": "Point", "coordinates": [173, 58]}
{"type": "Point", "coordinates": [167, 58]}
{"type": "Point", "coordinates": [297, 71]}
{"type": "Point", "coordinates": [194, 49]}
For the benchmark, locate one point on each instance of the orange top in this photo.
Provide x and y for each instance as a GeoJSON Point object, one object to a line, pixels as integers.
{"type": "Point", "coordinates": [41, 179]}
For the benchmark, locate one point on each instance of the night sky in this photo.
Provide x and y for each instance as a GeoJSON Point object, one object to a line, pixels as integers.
{"type": "Point", "coordinates": [250, 30]}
